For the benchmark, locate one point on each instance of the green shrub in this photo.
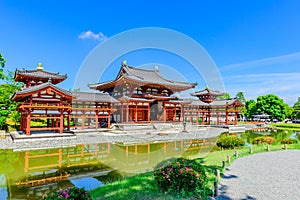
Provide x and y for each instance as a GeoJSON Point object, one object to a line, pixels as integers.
{"type": "Point", "coordinates": [180, 176]}
{"type": "Point", "coordinates": [289, 141]}
{"type": "Point", "coordinates": [73, 193]}
{"type": "Point", "coordinates": [199, 119]}
{"type": "Point", "coordinates": [263, 140]}
{"type": "Point", "coordinates": [230, 142]}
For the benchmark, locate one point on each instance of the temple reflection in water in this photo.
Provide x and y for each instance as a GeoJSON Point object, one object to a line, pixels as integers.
{"type": "Point", "coordinates": [30, 174]}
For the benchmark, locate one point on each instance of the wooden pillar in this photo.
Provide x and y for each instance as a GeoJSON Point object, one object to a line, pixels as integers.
{"type": "Point", "coordinates": [203, 118]}
{"type": "Point", "coordinates": [165, 112]}
{"type": "Point", "coordinates": [108, 120]}
{"type": "Point", "coordinates": [96, 118]}
{"type": "Point", "coordinates": [149, 108]}
{"type": "Point", "coordinates": [82, 120]}
{"type": "Point", "coordinates": [136, 113]}
{"type": "Point", "coordinates": [181, 113]}
{"type": "Point", "coordinates": [217, 112]}
{"type": "Point", "coordinates": [226, 115]}
{"type": "Point", "coordinates": [69, 120]}
{"type": "Point", "coordinates": [209, 112]}
{"type": "Point", "coordinates": [61, 128]}
{"type": "Point", "coordinates": [127, 112]}
{"type": "Point", "coordinates": [28, 118]}
{"type": "Point", "coordinates": [174, 116]}
{"type": "Point", "coordinates": [122, 112]}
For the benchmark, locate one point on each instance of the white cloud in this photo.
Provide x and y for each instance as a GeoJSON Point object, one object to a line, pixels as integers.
{"type": "Point", "coordinates": [294, 57]}
{"type": "Point", "coordinates": [285, 85]}
{"type": "Point", "coordinates": [91, 35]}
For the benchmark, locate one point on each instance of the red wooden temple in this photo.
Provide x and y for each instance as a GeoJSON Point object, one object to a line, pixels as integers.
{"type": "Point", "coordinates": [134, 96]}
{"type": "Point", "coordinates": [145, 95]}
{"type": "Point", "coordinates": [40, 98]}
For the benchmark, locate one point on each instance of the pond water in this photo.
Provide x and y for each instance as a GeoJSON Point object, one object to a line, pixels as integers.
{"type": "Point", "coordinates": [30, 174]}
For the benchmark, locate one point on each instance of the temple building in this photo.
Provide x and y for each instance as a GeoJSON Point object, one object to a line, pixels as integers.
{"type": "Point", "coordinates": [134, 96]}
{"type": "Point", "coordinates": [210, 110]}
{"type": "Point", "coordinates": [41, 99]}
{"type": "Point", "coordinates": [145, 95]}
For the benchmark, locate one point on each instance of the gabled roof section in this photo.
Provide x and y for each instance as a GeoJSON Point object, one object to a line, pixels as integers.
{"type": "Point", "coordinates": [207, 91]}
{"type": "Point", "coordinates": [93, 97]}
{"type": "Point", "coordinates": [221, 103]}
{"type": "Point", "coordinates": [38, 74]}
{"type": "Point", "coordinates": [143, 77]}
{"type": "Point", "coordinates": [19, 95]}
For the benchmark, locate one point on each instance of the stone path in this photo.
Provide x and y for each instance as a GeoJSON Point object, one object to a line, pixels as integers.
{"type": "Point", "coordinates": [273, 175]}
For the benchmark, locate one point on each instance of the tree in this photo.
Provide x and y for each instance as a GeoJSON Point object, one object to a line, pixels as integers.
{"type": "Point", "coordinates": [296, 110]}
{"type": "Point", "coordinates": [240, 96]}
{"type": "Point", "coordinates": [7, 107]}
{"type": "Point", "coordinates": [2, 64]}
{"type": "Point", "coordinates": [250, 108]}
{"type": "Point", "coordinates": [272, 105]}
{"type": "Point", "coordinates": [225, 96]}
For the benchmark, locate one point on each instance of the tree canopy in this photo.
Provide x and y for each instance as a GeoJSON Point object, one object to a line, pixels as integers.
{"type": "Point", "coordinates": [225, 96]}
{"type": "Point", "coordinates": [7, 107]}
{"type": "Point", "coordinates": [240, 96]}
{"type": "Point", "coordinates": [272, 105]}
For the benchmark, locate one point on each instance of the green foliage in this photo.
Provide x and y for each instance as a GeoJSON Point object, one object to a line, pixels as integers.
{"type": "Point", "coordinates": [73, 193]}
{"type": "Point", "coordinates": [263, 140]}
{"type": "Point", "coordinates": [2, 64]}
{"type": "Point", "coordinates": [225, 96]}
{"type": "Point", "coordinates": [180, 176]}
{"type": "Point", "coordinates": [7, 107]}
{"type": "Point", "coordinates": [250, 108]}
{"type": "Point", "coordinates": [289, 141]}
{"type": "Point", "coordinates": [230, 142]}
{"type": "Point", "coordinates": [272, 105]}
{"type": "Point", "coordinates": [296, 110]}
{"type": "Point", "coordinates": [240, 96]}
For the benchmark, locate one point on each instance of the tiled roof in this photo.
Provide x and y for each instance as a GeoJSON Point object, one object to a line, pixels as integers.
{"type": "Point", "coordinates": [207, 91]}
{"type": "Point", "coordinates": [222, 102]}
{"type": "Point", "coordinates": [39, 74]}
{"type": "Point", "coordinates": [39, 87]}
{"type": "Point", "coordinates": [144, 77]}
{"type": "Point", "coordinates": [42, 86]}
{"type": "Point", "coordinates": [95, 97]}
{"type": "Point", "coordinates": [151, 76]}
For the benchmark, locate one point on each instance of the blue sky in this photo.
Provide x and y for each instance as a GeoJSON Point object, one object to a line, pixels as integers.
{"type": "Point", "coordinates": [255, 44]}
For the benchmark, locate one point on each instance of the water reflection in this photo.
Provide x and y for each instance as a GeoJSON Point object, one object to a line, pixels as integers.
{"type": "Point", "coordinates": [30, 174]}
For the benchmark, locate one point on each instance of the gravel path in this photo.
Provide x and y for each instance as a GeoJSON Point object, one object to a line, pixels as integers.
{"type": "Point", "coordinates": [274, 175]}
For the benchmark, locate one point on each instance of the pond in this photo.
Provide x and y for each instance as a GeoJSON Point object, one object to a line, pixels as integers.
{"type": "Point", "coordinates": [30, 174]}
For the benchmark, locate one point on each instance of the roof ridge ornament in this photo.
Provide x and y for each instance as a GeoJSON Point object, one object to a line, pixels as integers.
{"type": "Point", "coordinates": [40, 67]}
{"type": "Point", "coordinates": [124, 62]}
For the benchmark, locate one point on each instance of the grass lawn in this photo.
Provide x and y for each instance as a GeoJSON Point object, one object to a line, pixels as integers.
{"type": "Point", "coordinates": [286, 126]}
{"type": "Point", "coordinates": [144, 186]}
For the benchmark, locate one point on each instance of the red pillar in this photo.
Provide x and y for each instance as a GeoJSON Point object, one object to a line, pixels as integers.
{"type": "Point", "coordinates": [61, 128]}
{"type": "Point", "coordinates": [135, 113]}
{"type": "Point", "coordinates": [28, 123]}
{"type": "Point", "coordinates": [148, 112]}
{"type": "Point", "coordinates": [122, 112]}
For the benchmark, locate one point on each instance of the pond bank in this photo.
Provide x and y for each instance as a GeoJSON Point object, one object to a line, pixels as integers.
{"type": "Point", "coordinates": [112, 136]}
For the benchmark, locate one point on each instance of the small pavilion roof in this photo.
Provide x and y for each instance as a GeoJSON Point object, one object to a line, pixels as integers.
{"type": "Point", "coordinates": [207, 91]}
{"type": "Point", "coordinates": [38, 74]}
{"type": "Point", "coordinates": [93, 97]}
{"type": "Point", "coordinates": [143, 77]}
{"type": "Point", "coordinates": [19, 95]}
{"type": "Point", "coordinates": [218, 103]}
